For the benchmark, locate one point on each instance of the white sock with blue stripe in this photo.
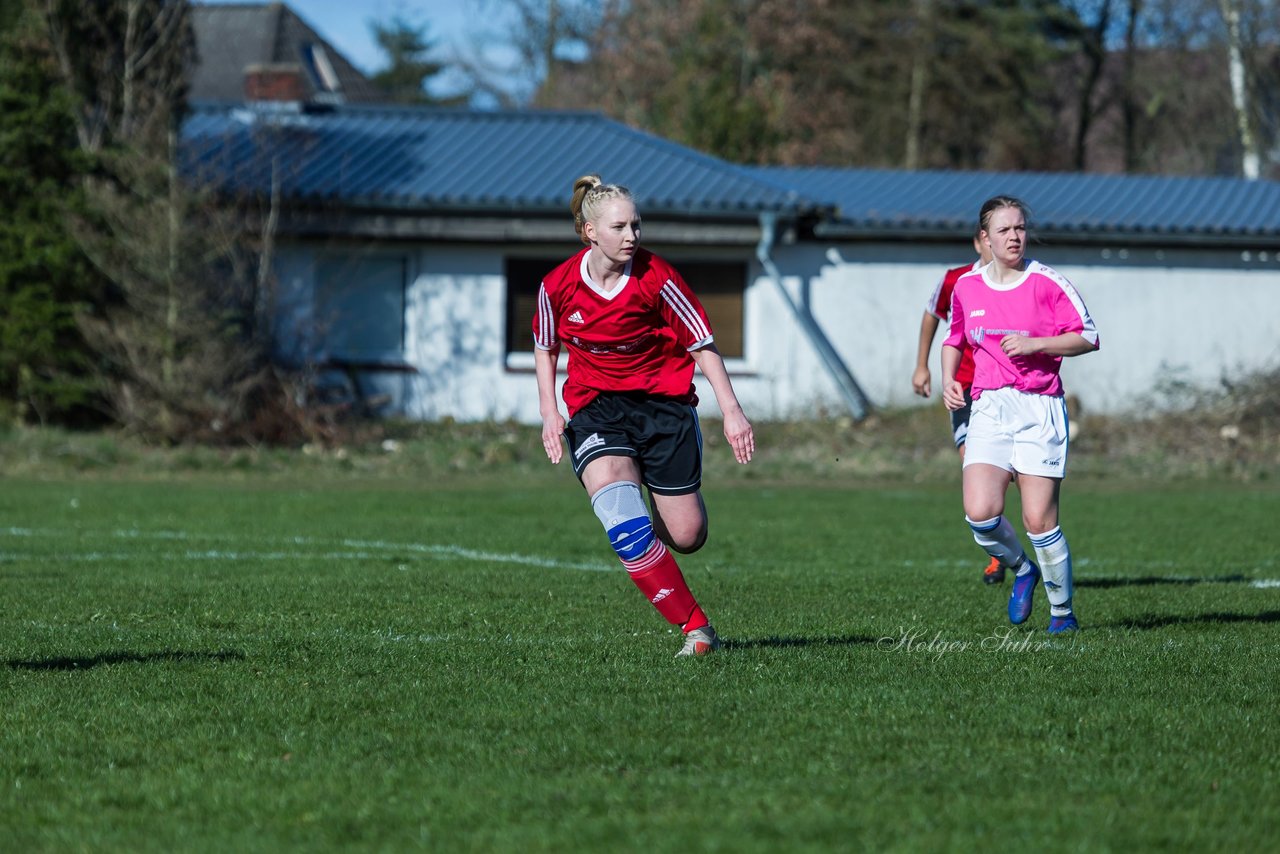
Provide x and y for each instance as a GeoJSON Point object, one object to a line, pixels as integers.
{"type": "Point", "coordinates": [1055, 567]}
{"type": "Point", "coordinates": [998, 539]}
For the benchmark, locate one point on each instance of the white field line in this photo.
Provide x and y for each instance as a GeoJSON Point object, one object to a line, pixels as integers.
{"type": "Point", "coordinates": [472, 554]}
{"type": "Point", "coordinates": [374, 549]}
{"type": "Point", "coordinates": [120, 557]}
{"type": "Point", "coordinates": [353, 550]}
{"type": "Point", "coordinates": [1094, 565]}
{"type": "Point", "coordinates": [980, 560]}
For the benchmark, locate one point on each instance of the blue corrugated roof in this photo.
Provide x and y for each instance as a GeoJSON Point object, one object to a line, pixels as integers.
{"type": "Point", "coordinates": [874, 202]}
{"type": "Point", "coordinates": [460, 160]}
{"type": "Point", "coordinates": [443, 160]}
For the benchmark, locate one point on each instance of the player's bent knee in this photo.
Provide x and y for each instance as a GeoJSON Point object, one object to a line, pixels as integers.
{"type": "Point", "coordinates": [1036, 525]}
{"type": "Point", "coordinates": [983, 510]}
{"type": "Point", "coordinates": [1037, 520]}
{"type": "Point", "coordinates": [688, 544]}
{"type": "Point", "coordinates": [684, 532]}
{"type": "Point", "coordinates": [620, 508]}
{"type": "Point", "coordinates": [681, 522]}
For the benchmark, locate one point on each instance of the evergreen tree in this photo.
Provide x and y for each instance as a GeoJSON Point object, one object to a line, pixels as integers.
{"type": "Point", "coordinates": [43, 274]}
{"type": "Point", "coordinates": [408, 67]}
{"type": "Point", "coordinates": [181, 348]}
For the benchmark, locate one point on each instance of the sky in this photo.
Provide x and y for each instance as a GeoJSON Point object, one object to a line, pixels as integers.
{"type": "Point", "coordinates": [345, 25]}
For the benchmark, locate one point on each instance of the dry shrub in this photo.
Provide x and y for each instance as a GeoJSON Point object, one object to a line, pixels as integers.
{"type": "Point", "coordinates": [1232, 429]}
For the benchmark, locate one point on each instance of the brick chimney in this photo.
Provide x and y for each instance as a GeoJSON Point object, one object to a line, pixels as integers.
{"type": "Point", "coordinates": [277, 82]}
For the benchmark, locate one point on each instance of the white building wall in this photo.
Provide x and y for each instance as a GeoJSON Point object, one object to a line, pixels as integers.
{"type": "Point", "coordinates": [1185, 315]}
{"type": "Point", "coordinates": [456, 340]}
{"type": "Point", "coordinates": [1171, 316]}
{"type": "Point", "coordinates": [1163, 315]}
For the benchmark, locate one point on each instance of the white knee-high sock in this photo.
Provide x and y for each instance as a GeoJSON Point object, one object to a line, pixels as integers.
{"type": "Point", "coordinates": [998, 538]}
{"type": "Point", "coordinates": [1055, 566]}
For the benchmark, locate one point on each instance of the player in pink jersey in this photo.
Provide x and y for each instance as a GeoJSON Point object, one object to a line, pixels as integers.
{"type": "Point", "coordinates": [1021, 318]}
{"type": "Point", "coordinates": [634, 331]}
{"type": "Point", "coordinates": [939, 309]}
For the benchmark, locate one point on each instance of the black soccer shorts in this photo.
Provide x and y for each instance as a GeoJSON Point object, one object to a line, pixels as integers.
{"type": "Point", "coordinates": [960, 420]}
{"type": "Point", "coordinates": [661, 434]}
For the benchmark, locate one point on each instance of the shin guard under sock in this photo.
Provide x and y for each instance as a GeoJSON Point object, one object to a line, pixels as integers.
{"type": "Point", "coordinates": [998, 539]}
{"type": "Point", "coordinates": [1054, 556]}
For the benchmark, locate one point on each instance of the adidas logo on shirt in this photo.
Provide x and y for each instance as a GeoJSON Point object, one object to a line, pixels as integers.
{"type": "Point", "coordinates": [576, 317]}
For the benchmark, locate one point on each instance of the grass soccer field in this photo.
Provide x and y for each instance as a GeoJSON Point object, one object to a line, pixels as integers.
{"type": "Point", "coordinates": [206, 664]}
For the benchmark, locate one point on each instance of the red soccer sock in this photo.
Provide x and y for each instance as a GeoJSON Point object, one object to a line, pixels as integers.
{"type": "Point", "coordinates": [659, 578]}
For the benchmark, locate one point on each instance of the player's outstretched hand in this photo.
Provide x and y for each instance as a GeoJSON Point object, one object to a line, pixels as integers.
{"type": "Point", "coordinates": [920, 382]}
{"type": "Point", "coordinates": [552, 430]}
{"type": "Point", "coordinates": [953, 395]}
{"type": "Point", "coordinates": [737, 429]}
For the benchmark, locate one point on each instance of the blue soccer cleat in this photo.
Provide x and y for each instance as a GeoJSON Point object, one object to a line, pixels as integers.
{"type": "Point", "coordinates": [1062, 625]}
{"type": "Point", "coordinates": [1024, 588]}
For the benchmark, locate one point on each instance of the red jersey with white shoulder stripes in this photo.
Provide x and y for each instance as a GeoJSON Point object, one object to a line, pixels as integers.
{"type": "Point", "coordinates": [634, 337]}
{"type": "Point", "coordinates": [940, 307]}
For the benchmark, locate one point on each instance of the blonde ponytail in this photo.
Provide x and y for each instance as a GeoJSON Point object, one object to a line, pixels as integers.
{"type": "Point", "coordinates": [589, 193]}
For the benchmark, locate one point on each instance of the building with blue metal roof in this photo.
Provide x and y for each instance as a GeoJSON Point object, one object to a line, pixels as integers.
{"type": "Point", "coordinates": [412, 241]}
{"type": "Point", "coordinates": [462, 162]}
{"type": "Point", "coordinates": [1069, 207]}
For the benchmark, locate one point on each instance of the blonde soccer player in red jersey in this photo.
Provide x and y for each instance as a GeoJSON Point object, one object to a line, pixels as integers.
{"type": "Point", "coordinates": [937, 311]}
{"type": "Point", "coordinates": [633, 331]}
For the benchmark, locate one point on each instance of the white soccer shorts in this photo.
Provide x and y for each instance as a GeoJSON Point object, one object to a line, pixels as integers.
{"type": "Point", "coordinates": [1015, 431]}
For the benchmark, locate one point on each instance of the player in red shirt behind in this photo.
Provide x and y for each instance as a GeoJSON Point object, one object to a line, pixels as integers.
{"type": "Point", "coordinates": [939, 309]}
{"type": "Point", "coordinates": [634, 331]}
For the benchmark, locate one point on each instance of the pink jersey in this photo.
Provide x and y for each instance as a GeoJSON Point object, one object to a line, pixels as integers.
{"type": "Point", "coordinates": [1040, 304]}
{"type": "Point", "coordinates": [634, 337]}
